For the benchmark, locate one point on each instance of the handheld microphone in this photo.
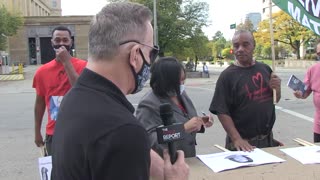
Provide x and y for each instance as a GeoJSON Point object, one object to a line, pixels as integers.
{"type": "Point", "coordinates": [170, 131]}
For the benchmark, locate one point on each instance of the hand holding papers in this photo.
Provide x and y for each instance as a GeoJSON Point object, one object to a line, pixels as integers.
{"type": "Point", "coordinates": [233, 159]}
{"type": "Point", "coordinates": [296, 84]}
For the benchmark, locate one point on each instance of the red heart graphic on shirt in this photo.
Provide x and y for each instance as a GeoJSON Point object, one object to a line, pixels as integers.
{"type": "Point", "coordinates": [258, 80]}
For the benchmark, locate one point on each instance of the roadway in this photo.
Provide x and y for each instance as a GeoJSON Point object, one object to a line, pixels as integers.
{"type": "Point", "coordinates": [19, 154]}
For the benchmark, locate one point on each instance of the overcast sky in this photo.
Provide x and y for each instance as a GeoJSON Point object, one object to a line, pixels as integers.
{"type": "Point", "coordinates": [222, 13]}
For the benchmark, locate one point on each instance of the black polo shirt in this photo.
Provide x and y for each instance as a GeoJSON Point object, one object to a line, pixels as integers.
{"type": "Point", "coordinates": [96, 135]}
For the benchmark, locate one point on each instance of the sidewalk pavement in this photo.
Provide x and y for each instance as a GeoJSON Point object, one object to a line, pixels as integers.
{"type": "Point", "coordinates": [11, 77]}
{"type": "Point", "coordinates": [19, 86]}
{"type": "Point", "coordinates": [10, 73]}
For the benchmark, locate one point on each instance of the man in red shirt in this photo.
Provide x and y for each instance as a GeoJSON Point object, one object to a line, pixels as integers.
{"type": "Point", "coordinates": [52, 81]}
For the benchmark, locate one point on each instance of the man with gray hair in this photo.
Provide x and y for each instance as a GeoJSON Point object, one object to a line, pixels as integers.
{"type": "Point", "coordinates": [243, 98]}
{"type": "Point", "coordinates": [97, 135]}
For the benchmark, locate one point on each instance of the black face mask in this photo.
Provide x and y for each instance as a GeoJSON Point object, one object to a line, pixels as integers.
{"type": "Point", "coordinates": [58, 46]}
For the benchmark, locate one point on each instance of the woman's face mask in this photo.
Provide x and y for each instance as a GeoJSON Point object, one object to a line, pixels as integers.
{"type": "Point", "coordinates": [182, 80]}
{"type": "Point", "coordinates": [182, 88]}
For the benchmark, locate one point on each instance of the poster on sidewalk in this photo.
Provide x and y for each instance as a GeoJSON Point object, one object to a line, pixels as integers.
{"type": "Point", "coordinates": [234, 159]}
{"type": "Point", "coordinates": [304, 154]}
{"type": "Point", "coordinates": [45, 167]}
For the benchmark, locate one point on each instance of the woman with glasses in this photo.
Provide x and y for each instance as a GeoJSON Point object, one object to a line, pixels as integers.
{"type": "Point", "coordinates": [167, 83]}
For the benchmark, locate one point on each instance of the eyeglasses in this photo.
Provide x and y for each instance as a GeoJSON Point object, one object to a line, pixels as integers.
{"type": "Point", "coordinates": [154, 50]}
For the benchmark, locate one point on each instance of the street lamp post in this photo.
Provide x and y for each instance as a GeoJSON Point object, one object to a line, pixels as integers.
{"type": "Point", "coordinates": [272, 48]}
{"type": "Point", "coordinates": [155, 27]}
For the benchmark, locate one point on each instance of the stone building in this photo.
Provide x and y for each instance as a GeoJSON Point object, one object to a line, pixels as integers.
{"type": "Point", "coordinates": [33, 7]}
{"type": "Point", "coordinates": [32, 43]}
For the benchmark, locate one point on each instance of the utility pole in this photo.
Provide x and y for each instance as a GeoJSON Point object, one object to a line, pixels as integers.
{"type": "Point", "coordinates": [272, 48]}
{"type": "Point", "coordinates": [155, 27]}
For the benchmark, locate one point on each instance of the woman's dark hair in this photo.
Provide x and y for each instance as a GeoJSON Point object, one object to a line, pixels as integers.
{"type": "Point", "coordinates": [165, 76]}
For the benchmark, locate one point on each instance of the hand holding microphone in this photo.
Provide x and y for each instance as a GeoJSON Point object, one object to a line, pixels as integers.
{"type": "Point", "coordinates": [170, 131]}
{"type": "Point", "coordinates": [176, 171]}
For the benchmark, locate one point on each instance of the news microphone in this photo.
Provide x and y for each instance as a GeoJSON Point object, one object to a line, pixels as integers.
{"type": "Point", "coordinates": [169, 132]}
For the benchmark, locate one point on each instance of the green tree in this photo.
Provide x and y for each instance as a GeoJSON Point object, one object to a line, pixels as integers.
{"type": "Point", "coordinates": [247, 25]}
{"type": "Point", "coordinates": [266, 51]}
{"type": "Point", "coordinates": [198, 42]}
{"type": "Point", "coordinates": [226, 53]}
{"type": "Point", "coordinates": [219, 43]}
{"type": "Point", "coordinates": [258, 50]}
{"type": "Point", "coordinates": [286, 31]}
{"type": "Point", "coordinates": [177, 21]}
{"type": "Point", "coordinates": [218, 35]}
{"type": "Point", "coordinates": [9, 25]}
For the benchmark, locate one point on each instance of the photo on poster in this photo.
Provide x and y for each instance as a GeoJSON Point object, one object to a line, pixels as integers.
{"type": "Point", "coordinates": [239, 158]}
{"type": "Point", "coordinates": [45, 167]}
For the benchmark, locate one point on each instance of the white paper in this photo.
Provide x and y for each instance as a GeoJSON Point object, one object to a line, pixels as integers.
{"type": "Point", "coordinates": [45, 167]}
{"type": "Point", "coordinates": [304, 154]}
{"type": "Point", "coordinates": [233, 159]}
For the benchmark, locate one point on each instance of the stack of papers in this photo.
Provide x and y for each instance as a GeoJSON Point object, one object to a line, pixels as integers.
{"type": "Point", "coordinates": [305, 154]}
{"type": "Point", "coordinates": [233, 159]}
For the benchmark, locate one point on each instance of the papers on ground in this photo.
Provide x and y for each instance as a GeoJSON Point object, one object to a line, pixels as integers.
{"type": "Point", "coordinates": [304, 154]}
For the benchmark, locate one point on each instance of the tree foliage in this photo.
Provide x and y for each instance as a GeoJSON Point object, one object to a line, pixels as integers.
{"type": "Point", "coordinates": [198, 42]}
{"type": "Point", "coordinates": [247, 25]}
{"type": "Point", "coordinates": [286, 30]}
{"type": "Point", "coordinates": [178, 23]}
{"type": "Point", "coordinates": [219, 43]}
{"type": "Point", "coordinates": [226, 53]}
{"type": "Point", "coordinates": [9, 25]}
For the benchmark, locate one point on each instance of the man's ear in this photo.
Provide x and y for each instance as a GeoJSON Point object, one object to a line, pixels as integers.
{"type": "Point", "coordinates": [134, 58]}
{"type": "Point", "coordinates": [71, 42]}
{"type": "Point", "coordinates": [52, 42]}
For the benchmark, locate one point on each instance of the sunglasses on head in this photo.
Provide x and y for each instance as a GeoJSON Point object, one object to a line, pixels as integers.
{"type": "Point", "coordinates": [154, 50]}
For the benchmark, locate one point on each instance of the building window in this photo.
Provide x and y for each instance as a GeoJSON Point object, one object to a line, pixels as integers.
{"type": "Point", "coordinates": [54, 4]}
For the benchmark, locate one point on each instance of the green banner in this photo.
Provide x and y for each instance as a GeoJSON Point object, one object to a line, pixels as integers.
{"type": "Point", "coordinates": [232, 26]}
{"type": "Point", "coordinates": [306, 12]}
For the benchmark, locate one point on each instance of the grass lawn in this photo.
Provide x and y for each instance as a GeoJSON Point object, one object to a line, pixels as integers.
{"type": "Point", "coordinates": [266, 61]}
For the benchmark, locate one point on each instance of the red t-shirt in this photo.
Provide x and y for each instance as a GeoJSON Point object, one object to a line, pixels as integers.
{"type": "Point", "coordinates": [51, 82]}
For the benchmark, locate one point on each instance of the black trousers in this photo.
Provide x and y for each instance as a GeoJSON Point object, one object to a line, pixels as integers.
{"type": "Point", "coordinates": [48, 144]}
{"type": "Point", "coordinates": [316, 137]}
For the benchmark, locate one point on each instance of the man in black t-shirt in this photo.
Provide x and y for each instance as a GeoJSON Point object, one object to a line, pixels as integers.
{"type": "Point", "coordinates": [243, 98]}
{"type": "Point", "coordinates": [96, 135]}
